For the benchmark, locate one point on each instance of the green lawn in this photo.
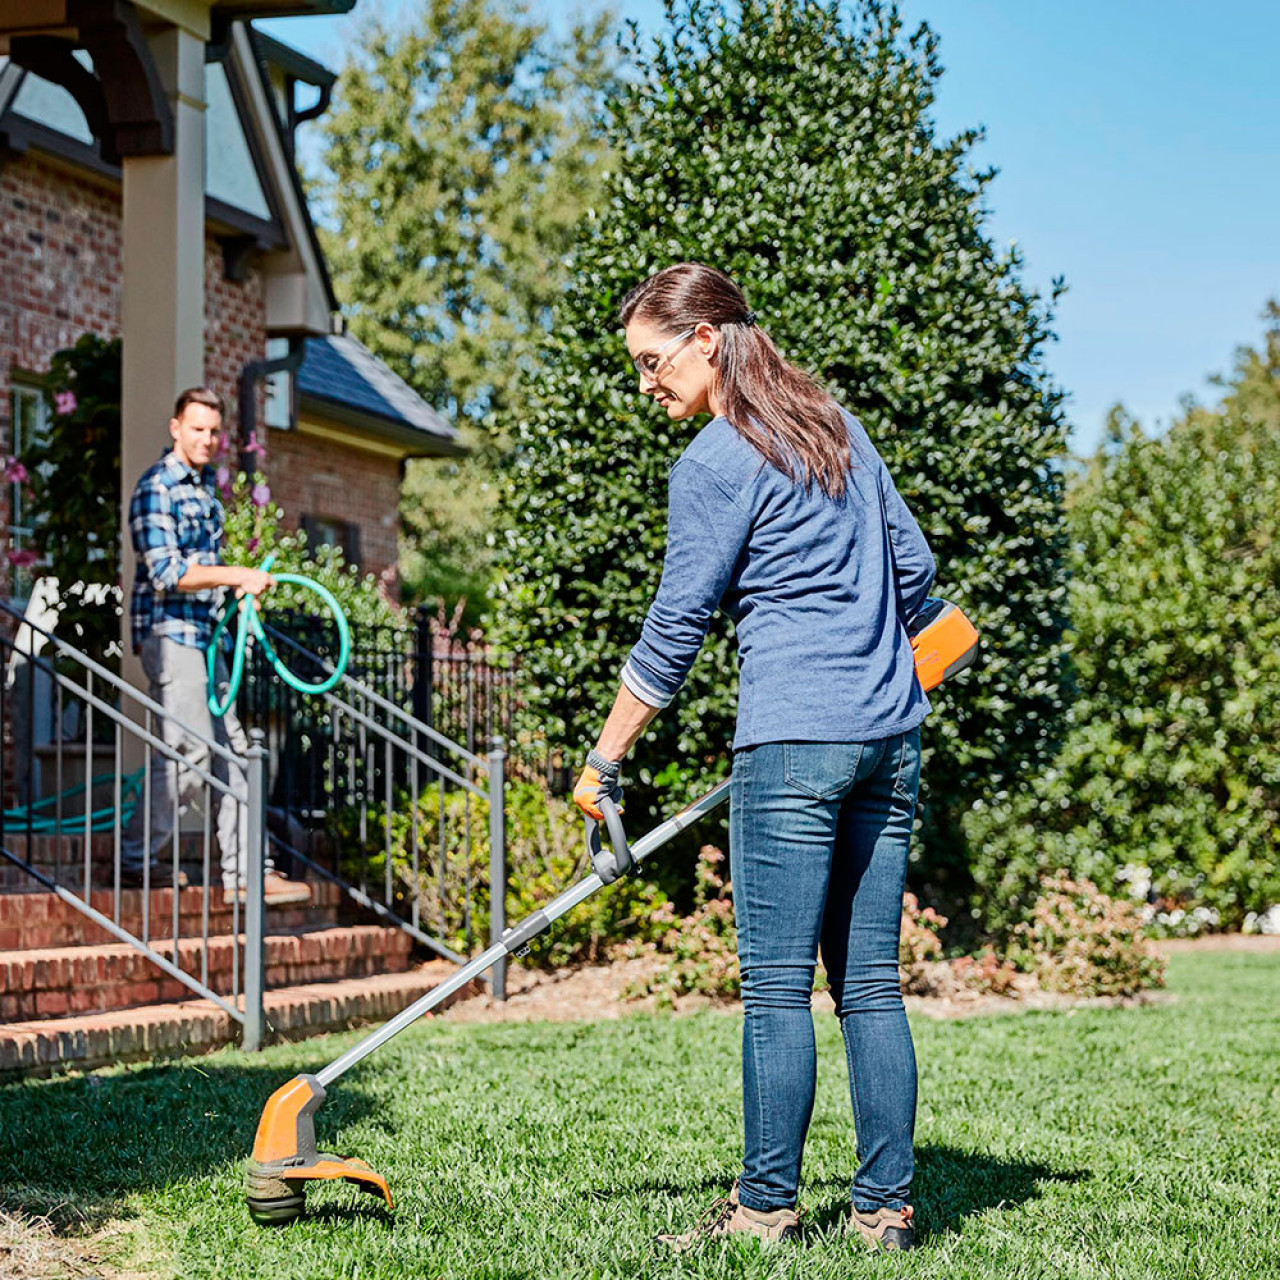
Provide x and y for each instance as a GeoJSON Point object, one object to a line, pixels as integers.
{"type": "Point", "coordinates": [1130, 1143]}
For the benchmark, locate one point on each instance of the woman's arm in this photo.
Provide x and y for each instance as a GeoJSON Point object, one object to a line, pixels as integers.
{"type": "Point", "coordinates": [627, 721]}
{"type": "Point", "coordinates": [913, 564]}
{"type": "Point", "coordinates": [706, 528]}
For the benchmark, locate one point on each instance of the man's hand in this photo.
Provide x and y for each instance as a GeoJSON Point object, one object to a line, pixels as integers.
{"type": "Point", "coordinates": [599, 778]}
{"type": "Point", "coordinates": [253, 582]}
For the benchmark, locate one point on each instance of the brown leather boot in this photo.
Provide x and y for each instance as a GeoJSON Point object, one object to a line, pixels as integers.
{"type": "Point", "coordinates": [889, 1230]}
{"type": "Point", "coordinates": [276, 891]}
{"type": "Point", "coordinates": [727, 1216]}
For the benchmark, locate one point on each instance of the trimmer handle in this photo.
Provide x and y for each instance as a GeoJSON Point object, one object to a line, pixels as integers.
{"type": "Point", "coordinates": [614, 863]}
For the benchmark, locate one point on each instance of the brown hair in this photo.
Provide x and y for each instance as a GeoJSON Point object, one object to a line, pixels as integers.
{"type": "Point", "coordinates": [777, 408]}
{"type": "Point", "coordinates": [199, 395]}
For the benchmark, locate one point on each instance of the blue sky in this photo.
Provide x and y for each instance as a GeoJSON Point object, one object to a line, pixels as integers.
{"type": "Point", "coordinates": [1138, 144]}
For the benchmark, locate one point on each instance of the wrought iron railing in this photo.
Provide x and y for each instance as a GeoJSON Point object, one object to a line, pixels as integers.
{"type": "Point", "coordinates": [66, 802]}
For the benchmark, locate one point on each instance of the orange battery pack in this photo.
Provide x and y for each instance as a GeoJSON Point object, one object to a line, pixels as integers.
{"type": "Point", "coordinates": [943, 640]}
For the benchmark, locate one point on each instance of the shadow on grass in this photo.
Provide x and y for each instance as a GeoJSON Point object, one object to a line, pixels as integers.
{"type": "Point", "coordinates": [76, 1147]}
{"type": "Point", "coordinates": [951, 1185]}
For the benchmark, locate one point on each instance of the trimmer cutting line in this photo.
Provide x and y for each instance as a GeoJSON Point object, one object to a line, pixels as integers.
{"type": "Point", "coordinates": [285, 1158]}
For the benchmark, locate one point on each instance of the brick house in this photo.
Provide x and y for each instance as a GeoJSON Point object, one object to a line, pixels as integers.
{"type": "Point", "coordinates": [148, 190]}
{"type": "Point", "coordinates": [339, 436]}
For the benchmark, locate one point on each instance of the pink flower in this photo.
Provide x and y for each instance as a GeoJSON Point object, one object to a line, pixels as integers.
{"type": "Point", "coordinates": [22, 558]}
{"type": "Point", "coordinates": [222, 477]}
{"type": "Point", "coordinates": [65, 402]}
{"type": "Point", "coordinates": [260, 495]}
{"type": "Point", "coordinates": [15, 472]}
{"type": "Point", "coordinates": [252, 545]}
{"type": "Point", "coordinates": [253, 446]}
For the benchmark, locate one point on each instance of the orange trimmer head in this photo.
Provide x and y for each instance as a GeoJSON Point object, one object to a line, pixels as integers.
{"type": "Point", "coordinates": [285, 1157]}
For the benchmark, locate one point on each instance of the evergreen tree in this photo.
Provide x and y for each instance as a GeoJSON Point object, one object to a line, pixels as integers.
{"type": "Point", "coordinates": [792, 146]}
{"type": "Point", "coordinates": [461, 152]}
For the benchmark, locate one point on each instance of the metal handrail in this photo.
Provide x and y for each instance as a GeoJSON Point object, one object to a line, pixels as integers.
{"type": "Point", "coordinates": [412, 723]}
{"type": "Point", "coordinates": [245, 1004]}
{"type": "Point", "coordinates": [115, 681]}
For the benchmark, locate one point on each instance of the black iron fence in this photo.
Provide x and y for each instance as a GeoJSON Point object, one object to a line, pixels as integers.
{"type": "Point", "coordinates": [453, 686]}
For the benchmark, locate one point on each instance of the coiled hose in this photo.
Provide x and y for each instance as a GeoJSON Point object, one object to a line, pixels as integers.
{"type": "Point", "coordinates": [248, 622]}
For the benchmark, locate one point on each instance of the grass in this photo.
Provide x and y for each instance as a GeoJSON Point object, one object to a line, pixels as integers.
{"type": "Point", "coordinates": [1131, 1143]}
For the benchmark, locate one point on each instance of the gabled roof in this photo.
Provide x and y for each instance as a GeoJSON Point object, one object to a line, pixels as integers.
{"type": "Point", "coordinates": [343, 380]}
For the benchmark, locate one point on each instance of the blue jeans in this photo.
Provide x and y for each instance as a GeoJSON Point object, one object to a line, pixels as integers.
{"type": "Point", "coordinates": [818, 840]}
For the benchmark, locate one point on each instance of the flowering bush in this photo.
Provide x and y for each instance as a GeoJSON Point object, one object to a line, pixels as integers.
{"type": "Point", "coordinates": [546, 854]}
{"type": "Point", "coordinates": [1081, 942]}
{"type": "Point", "coordinates": [987, 973]}
{"type": "Point", "coordinates": [918, 945]}
{"type": "Point", "coordinates": [72, 480]}
{"type": "Point", "coordinates": [700, 951]}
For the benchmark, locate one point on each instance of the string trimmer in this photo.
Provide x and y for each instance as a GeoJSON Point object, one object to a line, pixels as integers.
{"type": "Point", "coordinates": [285, 1158]}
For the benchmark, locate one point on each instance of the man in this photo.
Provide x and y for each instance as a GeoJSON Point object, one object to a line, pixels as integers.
{"type": "Point", "coordinates": [176, 524]}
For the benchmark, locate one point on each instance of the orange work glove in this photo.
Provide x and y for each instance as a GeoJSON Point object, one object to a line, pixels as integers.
{"type": "Point", "coordinates": [599, 778]}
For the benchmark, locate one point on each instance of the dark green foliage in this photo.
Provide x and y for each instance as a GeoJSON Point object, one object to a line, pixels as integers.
{"type": "Point", "coordinates": [75, 486]}
{"type": "Point", "coordinates": [794, 149]}
{"type": "Point", "coordinates": [1170, 774]}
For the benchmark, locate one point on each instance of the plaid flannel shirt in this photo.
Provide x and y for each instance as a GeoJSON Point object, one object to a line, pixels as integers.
{"type": "Point", "coordinates": [175, 521]}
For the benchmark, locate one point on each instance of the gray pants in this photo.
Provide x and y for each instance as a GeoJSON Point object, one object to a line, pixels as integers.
{"type": "Point", "coordinates": [180, 684]}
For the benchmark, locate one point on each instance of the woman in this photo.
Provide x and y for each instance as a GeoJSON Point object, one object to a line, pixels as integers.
{"type": "Point", "coordinates": [781, 511]}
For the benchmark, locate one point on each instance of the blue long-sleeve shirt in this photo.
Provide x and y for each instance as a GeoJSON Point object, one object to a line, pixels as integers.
{"type": "Point", "coordinates": [818, 589]}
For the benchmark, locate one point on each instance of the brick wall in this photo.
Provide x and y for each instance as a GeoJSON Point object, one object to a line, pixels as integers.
{"type": "Point", "coordinates": [310, 476]}
{"type": "Point", "coordinates": [60, 277]}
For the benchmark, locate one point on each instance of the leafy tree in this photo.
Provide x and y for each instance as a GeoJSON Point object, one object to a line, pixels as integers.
{"type": "Point", "coordinates": [462, 151]}
{"type": "Point", "coordinates": [1169, 778]}
{"type": "Point", "coordinates": [794, 148]}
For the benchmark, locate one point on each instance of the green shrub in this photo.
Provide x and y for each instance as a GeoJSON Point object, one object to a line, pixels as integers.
{"type": "Point", "coordinates": [253, 529]}
{"type": "Point", "coordinates": [700, 950]}
{"type": "Point", "coordinates": [1169, 776]}
{"type": "Point", "coordinates": [792, 145]}
{"type": "Point", "coordinates": [1081, 942]}
{"type": "Point", "coordinates": [546, 854]}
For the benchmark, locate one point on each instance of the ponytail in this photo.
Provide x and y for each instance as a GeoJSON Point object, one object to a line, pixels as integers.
{"type": "Point", "coordinates": [778, 409]}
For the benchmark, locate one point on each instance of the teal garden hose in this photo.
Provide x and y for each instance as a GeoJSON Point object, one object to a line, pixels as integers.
{"type": "Point", "coordinates": [248, 621]}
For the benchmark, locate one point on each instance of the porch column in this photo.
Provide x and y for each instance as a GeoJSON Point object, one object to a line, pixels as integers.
{"type": "Point", "coordinates": [163, 259]}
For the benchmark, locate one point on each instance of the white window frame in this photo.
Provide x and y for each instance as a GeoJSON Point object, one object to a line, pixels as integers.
{"type": "Point", "coordinates": [277, 408]}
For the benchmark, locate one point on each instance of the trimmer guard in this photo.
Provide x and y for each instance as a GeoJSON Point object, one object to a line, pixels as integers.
{"type": "Point", "coordinates": [285, 1156]}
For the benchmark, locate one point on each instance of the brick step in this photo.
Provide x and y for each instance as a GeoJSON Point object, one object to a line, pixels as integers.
{"type": "Point", "coordinates": [70, 873]}
{"type": "Point", "coordinates": [69, 846]}
{"type": "Point", "coordinates": [62, 859]}
{"type": "Point", "coordinates": [56, 981]}
{"type": "Point", "coordinates": [30, 921]}
{"type": "Point", "coordinates": [198, 1026]}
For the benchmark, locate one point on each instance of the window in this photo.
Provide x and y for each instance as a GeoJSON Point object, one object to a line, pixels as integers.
{"type": "Point", "coordinates": [230, 173]}
{"type": "Point", "coordinates": [53, 106]}
{"type": "Point", "coordinates": [30, 416]}
{"type": "Point", "coordinates": [278, 410]}
{"type": "Point", "coordinates": [329, 531]}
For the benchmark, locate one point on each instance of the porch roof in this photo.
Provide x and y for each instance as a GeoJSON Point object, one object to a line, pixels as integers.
{"type": "Point", "coordinates": [342, 378]}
